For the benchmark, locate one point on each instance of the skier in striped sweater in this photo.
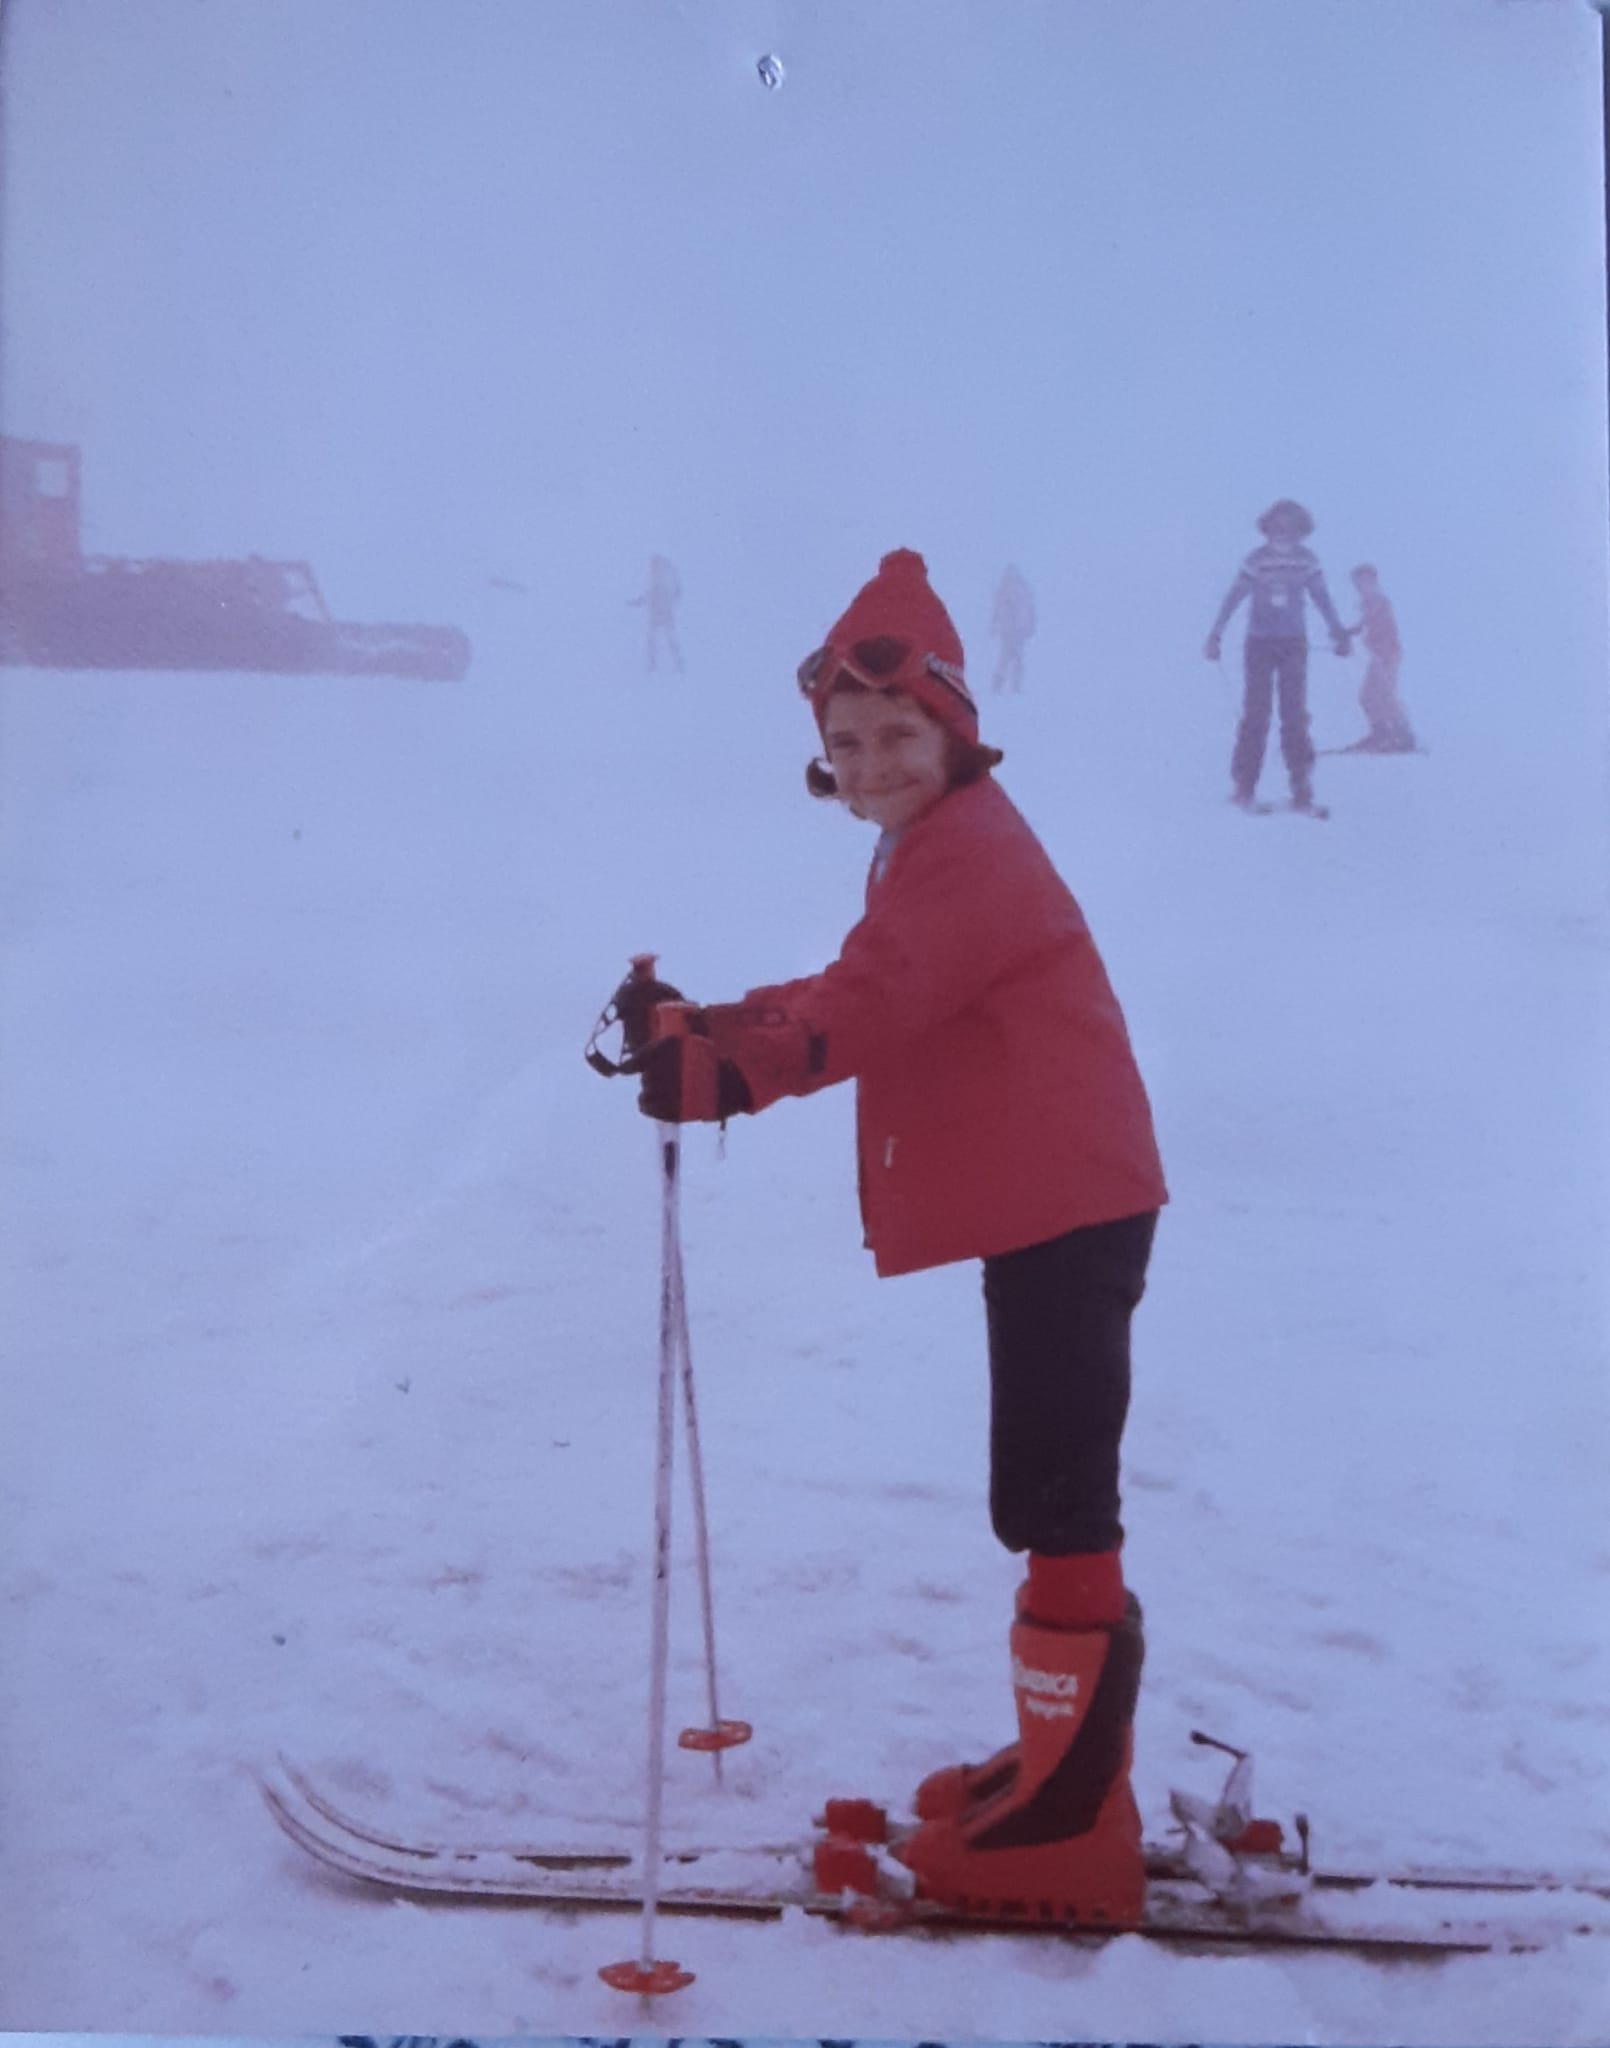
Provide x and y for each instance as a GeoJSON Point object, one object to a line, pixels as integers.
{"type": "Point", "coordinates": [1277, 577]}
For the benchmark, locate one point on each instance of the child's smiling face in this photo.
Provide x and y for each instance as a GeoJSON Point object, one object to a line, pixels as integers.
{"type": "Point", "coordinates": [890, 759]}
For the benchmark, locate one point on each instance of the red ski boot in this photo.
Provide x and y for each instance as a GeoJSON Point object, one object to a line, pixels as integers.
{"type": "Point", "coordinates": [1062, 1840]}
{"type": "Point", "coordinates": [1068, 1591]}
{"type": "Point", "coordinates": [946, 1792]}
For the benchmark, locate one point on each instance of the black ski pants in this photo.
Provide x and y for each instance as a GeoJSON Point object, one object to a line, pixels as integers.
{"type": "Point", "coordinates": [1271, 665]}
{"type": "Point", "coordinates": [1058, 1316]}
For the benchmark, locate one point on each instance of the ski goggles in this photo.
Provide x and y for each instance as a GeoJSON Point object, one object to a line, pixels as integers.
{"type": "Point", "coordinates": [877, 665]}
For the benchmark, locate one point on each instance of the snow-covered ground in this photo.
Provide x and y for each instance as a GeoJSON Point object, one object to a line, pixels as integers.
{"type": "Point", "coordinates": [337, 1268]}
{"type": "Point", "coordinates": [332, 1270]}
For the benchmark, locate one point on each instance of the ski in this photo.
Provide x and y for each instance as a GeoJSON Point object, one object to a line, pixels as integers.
{"type": "Point", "coordinates": [1364, 747]}
{"type": "Point", "coordinates": [289, 1786]}
{"type": "Point", "coordinates": [1411, 1912]}
{"type": "Point", "coordinates": [1255, 807]}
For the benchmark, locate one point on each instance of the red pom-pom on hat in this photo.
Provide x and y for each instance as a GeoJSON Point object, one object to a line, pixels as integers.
{"type": "Point", "coordinates": [903, 562]}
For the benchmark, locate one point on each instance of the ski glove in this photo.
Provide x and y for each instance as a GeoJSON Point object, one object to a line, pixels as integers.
{"type": "Point", "coordinates": [684, 1078]}
{"type": "Point", "coordinates": [1211, 648]}
{"type": "Point", "coordinates": [634, 1004]}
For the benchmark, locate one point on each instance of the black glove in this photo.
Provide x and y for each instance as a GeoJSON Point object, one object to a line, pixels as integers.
{"type": "Point", "coordinates": [633, 1002]}
{"type": "Point", "coordinates": [684, 1081]}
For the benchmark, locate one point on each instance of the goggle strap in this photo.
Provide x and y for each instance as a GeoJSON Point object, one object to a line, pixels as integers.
{"type": "Point", "coordinates": [949, 674]}
{"type": "Point", "coordinates": [810, 672]}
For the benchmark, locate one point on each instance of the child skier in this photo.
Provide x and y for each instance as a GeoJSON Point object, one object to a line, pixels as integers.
{"type": "Point", "coordinates": [1390, 732]}
{"type": "Point", "coordinates": [1277, 577]}
{"type": "Point", "coordinates": [1012, 617]}
{"type": "Point", "coordinates": [1000, 1116]}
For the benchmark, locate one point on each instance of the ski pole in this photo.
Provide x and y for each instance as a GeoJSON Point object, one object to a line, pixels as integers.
{"type": "Point", "coordinates": [634, 1007]}
{"type": "Point", "coordinates": [649, 1975]}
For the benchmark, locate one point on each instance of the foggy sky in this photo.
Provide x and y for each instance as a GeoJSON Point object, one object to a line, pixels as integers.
{"type": "Point", "coordinates": [432, 292]}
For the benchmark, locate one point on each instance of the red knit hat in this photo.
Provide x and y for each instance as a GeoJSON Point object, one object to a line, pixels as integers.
{"type": "Point", "coordinates": [921, 651]}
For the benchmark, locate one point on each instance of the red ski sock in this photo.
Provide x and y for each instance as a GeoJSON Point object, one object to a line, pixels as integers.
{"type": "Point", "coordinates": [1082, 1591]}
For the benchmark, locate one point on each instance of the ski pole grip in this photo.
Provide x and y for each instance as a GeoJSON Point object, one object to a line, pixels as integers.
{"type": "Point", "coordinates": [632, 1008]}
{"type": "Point", "coordinates": [635, 1000]}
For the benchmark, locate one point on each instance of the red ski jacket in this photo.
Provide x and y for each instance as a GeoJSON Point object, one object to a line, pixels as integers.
{"type": "Point", "coordinates": [998, 1101]}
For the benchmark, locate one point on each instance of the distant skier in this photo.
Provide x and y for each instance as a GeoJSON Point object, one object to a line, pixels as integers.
{"type": "Point", "coordinates": [661, 598]}
{"type": "Point", "coordinates": [1012, 620]}
{"type": "Point", "coordinates": [1390, 731]}
{"type": "Point", "coordinates": [1277, 577]}
{"type": "Point", "coordinates": [1000, 1117]}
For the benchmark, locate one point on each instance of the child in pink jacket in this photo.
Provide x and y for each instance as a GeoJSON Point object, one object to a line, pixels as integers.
{"type": "Point", "coordinates": [1390, 732]}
